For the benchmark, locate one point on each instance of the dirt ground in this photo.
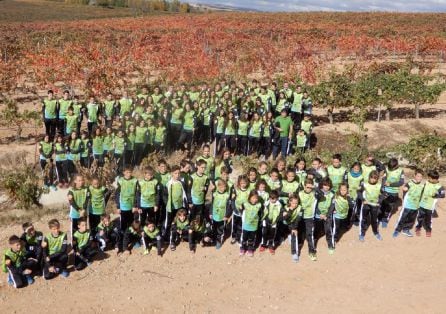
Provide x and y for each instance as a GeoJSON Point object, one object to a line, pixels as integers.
{"type": "Point", "coordinates": [403, 274]}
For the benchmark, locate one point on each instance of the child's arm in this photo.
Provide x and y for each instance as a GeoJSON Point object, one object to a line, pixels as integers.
{"type": "Point", "coordinates": [118, 196]}
{"type": "Point", "coordinates": [72, 202]}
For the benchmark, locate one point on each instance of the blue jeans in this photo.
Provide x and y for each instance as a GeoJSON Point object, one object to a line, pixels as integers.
{"type": "Point", "coordinates": [283, 144]}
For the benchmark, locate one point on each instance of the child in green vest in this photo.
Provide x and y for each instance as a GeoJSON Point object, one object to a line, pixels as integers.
{"type": "Point", "coordinates": [301, 142]}
{"type": "Point", "coordinates": [60, 151]}
{"type": "Point", "coordinates": [125, 198]}
{"type": "Point", "coordinates": [342, 206]}
{"type": "Point", "coordinates": [392, 181]}
{"type": "Point", "coordinates": [55, 257]}
{"type": "Point", "coordinates": [241, 196]}
{"type": "Point", "coordinates": [252, 211]}
{"type": "Point", "coordinates": [336, 172]}
{"type": "Point", "coordinates": [411, 204]}
{"type": "Point", "coordinates": [98, 196]}
{"type": "Point", "coordinates": [221, 201]}
{"type": "Point", "coordinates": [432, 191]}
{"type": "Point", "coordinates": [152, 238]}
{"type": "Point", "coordinates": [17, 265]}
{"type": "Point", "coordinates": [308, 199]}
{"type": "Point", "coordinates": [371, 196]}
{"type": "Point", "coordinates": [159, 140]}
{"type": "Point", "coordinates": [291, 217]}
{"type": "Point", "coordinates": [199, 184]}
{"type": "Point", "coordinates": [176, 197]}
{"type": "Point", "coordinates": [32, 241]}
{"type": "Point", "coordinates": [46, 150]}
{"type": "Point", "coordinates": [323, 219]}
{"type": "Point", "coordinates": [83, 245]}
{"type": "Point", "coordinates": [107, 234]}
{"type": "Point", "coordinates": [355, 179]}
{"type": "Point", "coordinates": [149, 197]}
{"type": "Point", "coordinates": [271, 216]}
{"type": "Point", "coordinates": [132, 237]}
{"type": "Point", "coordinates": [179, 229]}
{"type": "Point", "coordinates": [78, 199]}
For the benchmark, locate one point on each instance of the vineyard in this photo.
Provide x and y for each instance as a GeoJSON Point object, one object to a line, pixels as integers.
{"type": "Point", "coordinates": [127, 52]}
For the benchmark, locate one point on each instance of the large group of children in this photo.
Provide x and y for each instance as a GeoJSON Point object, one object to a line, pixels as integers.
{"type": "Point", "coordinates": [196, 201]}
{"type": "Point", "coordinates": [248, 120]}
{"type": "Point", "coordinates": [263, 209]}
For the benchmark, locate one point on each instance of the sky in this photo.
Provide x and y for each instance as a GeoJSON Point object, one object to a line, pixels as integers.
{"type": "Point", "coordinates": [336, 5]}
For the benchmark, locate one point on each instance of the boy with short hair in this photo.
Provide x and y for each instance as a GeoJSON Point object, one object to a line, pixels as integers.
{"type": "Point", "coordinates": [125, 198]}
{"type": "Point", "coordinates": [82, 245]}
{"type": "Point", "coordinates": [55, 257]}
{"type": "Point", "coordinates": [199, 184]}
{"type": "Point", "coordinates": [271, 215]}
{"type": "Point", "coordinates": [32, 240]}
{"type": "Point", "coordinates": [107, 234]}
{"type": "Point", "coordinates": [152, 238]}
{"type": "Point", "coordinates": [221, 201]}
{"type": "Point", "coordinates": [392, 180]}
{"type": "Point", "coordinates": [432, 191]}
{"type": "Point", "coordinates": [336, 172]}
{"type": "Point", "coordinates": [15, 263]}
{"type": "Point", "coordinates": [148, 197]}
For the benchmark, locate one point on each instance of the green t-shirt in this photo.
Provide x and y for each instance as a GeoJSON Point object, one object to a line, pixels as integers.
{"type": "Point", "coordinates": [55, 244]}
{"type": "Point", "coordinates": [428, 200]}
{"type": "Point", "coordinates": [251, 216]}
{"type": "Point", "coordinates": [50, 108]}
{"type": "Point", "coordinates": [127, 193]}
{"type": "Point", "coordinates": [149, 190]}
{"type": "Point", "coordinates": [63, 107]}
{"type": "Point", "coordinates": [219, 205]}
{"type": "Point", "coordinates": [97, 200]}
{"type": "Point", "coordinates": [199, 188]}
{"type": "Point", "coordinates": [308, 203]}
{"type": "Point", "coordinates": [285, 125]}
{"type": "Point", "coordinates": [176, 195]}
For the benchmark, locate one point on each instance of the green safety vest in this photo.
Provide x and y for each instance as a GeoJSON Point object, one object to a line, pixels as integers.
{"type": "Point", "coordinates": [428, 201]}
{"type": "Point", "coordinates": [50, 108]}
{"type": "Point", "coordinates": [16, 258]}
{"type": "Point", "coordinates": [241, 196]}
{"type": "Point", "coordinates": [127, 193]}
{"type": "Point", "coordinates": [372, 193]}
{"type": "Point", "coordinates": [63, 107]}
{"type": "Point", "coordinates": [336, 176]}
{"type": "Point", "coordinates": [342, 207]}
{"type": "Point", "coordinates": [198, 188]}
{"type": "Point", "coordinates": [308, 202]}
{"type": "Point", "coordinates": [393, 176]}
{"type": "Point", "coordinates": [160, 134]}
{"type": "Point", "coordinates": [55, 244]}
{"type": "Point", "coordinates": [250, 216]}
{"type": "Point", "coordinates": [219, 205]}
{"type": "Point", "coordinates": [354, 184]}
{"type": "Point", "coordinates": [148, 190]}
{"type": "Point", "coordinates": [92, 110]}
{"type": "Point", "coordinates": [210, 163]}
{"type": "Point", "coordinates": [151, 234]}
{"type": "Point", "coordinates": [81, 238]}
{"type": "Point", "coordinates": [71, 123]}
{"type": "Point", "coordinates": [119, 144]}
{"type": "Point", "coordinates": [272, 212]}
{"type": "Point", "coordinates": [412, 198]}
{"type": "Point", "coordinates": [256, 128]}
{"type": "Point", "coordinates": [301, 141]}
{"type": "Point", "coordinates": [98, 145]}
{"type": "Point", "coordinates": [306, 126]}
{"type": "Point", "coordinates": [109, 108]}
{"type": "Point", "coordinates": [324, 203]}
{"type": "Point", "coordinates": [175, 196]}
{"type": "Point", "coordinates": [296, 106]}
{"type": "Point", "coordinates": [97, 200]}
{"type": "Point", "coordinates": [292, 214]}
{"type": "Point", "coordinates": [126, 106]}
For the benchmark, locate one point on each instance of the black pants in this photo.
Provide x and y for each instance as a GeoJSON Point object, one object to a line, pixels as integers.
{"type": "Point", "coordinates": [147, 214]}
{"type": "Point", "coordinates": [207, 134]}
{"type": "Point", "coordinates": [269, 236]}
{"type": "Point", "coordinates": [119, 159]}
{"type": "Point", "coordinates": [16, 274]}
{"type": "Point", "coordinates": [388, 207]}
{"type": "Point", "coordinates": [50, 128]}
{"type": "Point", "coordinates": [294, 239]}
{"type": "Point", "coordinates": [175, 132]}
{"type": "Point", "coordinates": [236, 232]}
{"type": "Point", "coordinates": [61, 126]}
{"type": "Point", "coordinates": [406, 220]}
{"type": "Point", "coordinates": [99, 159]}
{"type": "Point", "coordinates": [185, 140]}
{"type": "Point", "coordinates": [231, 143]}
{"type": "Point", "coordinates": [74, 227]}
{"type": "Point", "coordinates": [149, 243]}
{"type": "Point", "coordinates": [139, 152]}
{"type": "Point", "coordinates": [71, 167]}
{"type": "Point", "coordinates": [94, 221]}
{"type": "Point", "coordinates": [242, 142]}
{"type": "Point", "coordinates": [309, 235]}
{"type": "Point", "coordinates": [325, 227]}
{"type": "Point", "coordinates": [254, 143]}
{"type": "Point", "coordinates": [177, 235]}
{"type": "Point", "coordinates": [356, 211]}
{"type": "Point", "coordinates": [369, 216]}
{"type": "Point", "coordinates": [126, 218]}
{"type": "Point", "coordinates": [297, 119]}
{"type": "Point", "coordinates": [86, 162]}
{"type": "Point", "coordinates": [197, 210]}
{"type": "Point", "coordinates": [57, 260]}
{"type": "Point", "coordinates": [62, 171]}
{"type": "Point", "coordinates": [109, 240]}
{"type": "Point", "coordinates": [340, 227]}
{"type": "Point", "coordinates": [159, 148]}
{"type": "Point", "coordinates": [167, 224]}
{"type": "Point", "coordinates": [85, 256]}
{"type": "Point", "coordinates": [129, 160]}
{"type": "Point", "coordinates": [424, 219]}
{"type": "Point", "coordinates": [218, 229]}
{"type": "Point", "coordinates": [218, 142]}
{"type": "Point", "coordinates": [91, 126]}
{"type": "Point", "coordinates": [267, 147]}
{"type": "Point", "coordinates": [248, 240]}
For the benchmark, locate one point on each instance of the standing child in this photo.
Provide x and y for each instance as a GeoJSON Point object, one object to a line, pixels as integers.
{"type": "Point", "coordinates": [323, 220]}
{"type": "Point", "coordinates": [432, 191]}
{"type": "Point", "coordinates": [210, 162]}
{"type": "Point", "coordinates": [291, 217]}
{"type": "Point", "coordinates": [241, 196]}
{"type": "Point", "coordinates": [307, 126]}
{"type": "Point", "coordinates": [17, 265]}
{"type": "Point", "coordinates": [159, 140]}
{"type": "Point", "coordinates": [46, 150]}
{"type": "Point", "coordinates": [148, 197]}
{"type": "Point", "coordinates": [301, 173]}
{"type": "Point", "coordinates": [55, 257]}
{"type": "Point", "coordinates": [411, 203]}
{"type": "Point", "coordinates": [78, 198]}
{"type": "Point", "coordinates": [152, 238]}
{"type": "Point", "coordinates": [336, 172]}
{"type": "Point", "coordinates": [309, 200]}
{"type": "Point", "coordinates": [75, 147]}
{"type": "Point", "coordinates": [176, 197]}
{"type": "Point", "coordinates": [224, 160]}
{"type": "Point", "coordinates": [60, 151]}
{"type": "Point", "coordinates": [198, 190]}
{"type": "Point", "coordinates": [392, 181]}
{"type": "Point", "coordinates": [97, 202]}
{"type": "Point", "coordinates": [83, 245]}
{"type": "Point", "coordinates": [289, 186]}
{"type": "Point", "coordinates": [221, 200]}
{"type": "Point", "coordinates": [301, 141]}
{"type": "Point", "coordinates": [97, 147]}
{"type": "Point", "coordinates": [342, 205]}
{"type": "Point", "coordinates": [251, 212]}
{"type": "Point", "coordinates": [125, 197]}
{"type": "Point", "coordinates": [263, 191]}
{"type": "Point", "coordinates": [272, 214]}
{"type": "Point", "coordinates": [86, 150]}
{"type": "Point", "coordinates": [355, 179]}
{"type": "Point", "coordinates": [371, 197]}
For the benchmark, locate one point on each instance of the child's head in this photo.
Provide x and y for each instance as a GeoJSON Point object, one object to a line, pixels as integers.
{"type": "Point", "coordinates": [290, 175]}
{"type": "Point", "coordinates": [308, 185]}
{"type": "Point", "coordinates": [95, 182]}
{"type": "Point", "coordinates": [261, 185]}
{"type": "Point", "coordinates": [175, 172]}
{"type": "Point", "coordinates": [325, 184]}
{"type": "Point", "coordinates": [201, 166]}
{"type": "Point", "coordinates": [82, 224]}
{"type": "Point", "coordinates": [151, 226]}
{"type": "Point", "coordinates": [162, 166]}
{"type": "Point", "coordinates": [242, 182]}
{"type": "Point", "coordinates": [105, 219]}
{"type": "Point", "coordinates": [185, 166]}
{"type": "Point", "coordinates": [433, 176]}
{"type": "Point", "coordinates": [336, 160]}
{"type": "Point", "coordinates": [300, 164]}
{"type": "Point", "coordinates": [280, 164]}
{"type": "Point", "coordinates": [252, 174]}
{"type": "Point", "coordinates": [369, 160]}
{"type": "Point", "coordinates": [273, 196]}
{"type": "Point", "coordinates": [28, 228]}
{"type": "Point", "coordinates": [253, 197]}
{"type": "Point", "coordinates": [15, 243]}
{"type": "Point", "coordinates": [84, 135]}
{"type": "Point", "coordinates": [293, 201]}
{"type": "Point", "coordinates": [392, 164]}
{"type": "Point", "coordinates": [307, 117]}
{"type": "Point", "coordinates": [181, 215]}
{"type": "Point", "coordinates": [418, 175]}
{"type": "Point", "coordinates": [206, 151]}
{"type": "Point", "coordinates": [128, 171]}
{"type": "Point", "coordinates": [301, 132]}
{"type": "Point", "coordinates": [79, 181]}
{"type": "Point", "coordinates": [317, 163]}
{"type": "Point", "coordinates": [373, 177]}
{"type": "Point", "coordinates": [356, 167]}
{"type": "Point", "coordinates": [148, 173]}
{"type": "Point", "coordinates": [136, 225]}
{"type": "Point", "coordinates": [221, 186]}
{"type": "Point", "coordinates": [274, 174]}
{"type": "Point", "coordinates": [54, 227]}
{"type": "Point", "coordinates": [263, 167]}
{"type": "Point", "coordinates": [343, 190]}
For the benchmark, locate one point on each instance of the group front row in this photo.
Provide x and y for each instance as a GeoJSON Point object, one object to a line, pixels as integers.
{"type": "Point", "coordinates": [262, 210]}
